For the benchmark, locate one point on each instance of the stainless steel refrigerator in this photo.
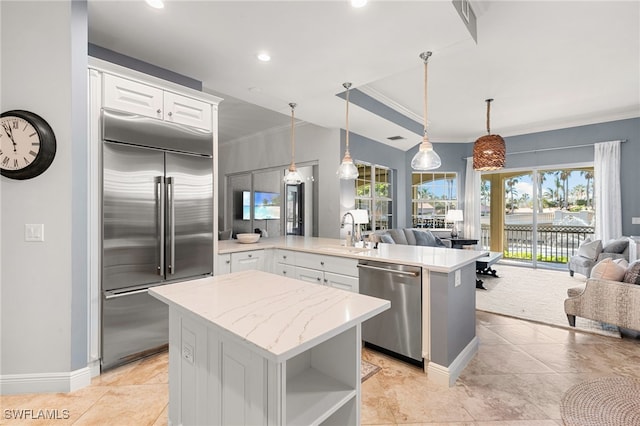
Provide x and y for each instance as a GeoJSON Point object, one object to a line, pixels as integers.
{"type": "Point", "coordinates": [157, 226]}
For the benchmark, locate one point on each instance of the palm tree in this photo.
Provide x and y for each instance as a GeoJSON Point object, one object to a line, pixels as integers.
{"type": "Point", "coordinates": [511, 190]}
{"type": "Point", "coordinates": [578, 192]}
{"type": "Point", "coordinates": [588, 175]}
{"type": "Point", "coordinates": [564, 176]}
{"type": "Point", "coordinates": [542, 176]}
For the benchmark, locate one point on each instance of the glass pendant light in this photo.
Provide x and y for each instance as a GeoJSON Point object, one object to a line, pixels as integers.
{"type": "Point", "coordinates": [426, 158]}
{"type": "Point", "coordinates": [489, 150]}
{"type": "Point", "coordinates": [292, 177]}
{"type": "Point", "coordinates": [347, 169]}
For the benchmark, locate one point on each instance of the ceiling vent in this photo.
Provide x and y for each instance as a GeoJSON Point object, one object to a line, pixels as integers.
{"type": "Point", "coordinates": [395, 138]}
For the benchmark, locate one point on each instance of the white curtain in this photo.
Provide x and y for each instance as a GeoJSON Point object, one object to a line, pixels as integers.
{"type": "Point", "coordinates": [607, 190]}
{"type": "Point", "coordinates": [472, 202]}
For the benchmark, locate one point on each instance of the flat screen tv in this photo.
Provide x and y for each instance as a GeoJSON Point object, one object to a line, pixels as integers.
{"type": "Point", "coordinates": [266, 205]}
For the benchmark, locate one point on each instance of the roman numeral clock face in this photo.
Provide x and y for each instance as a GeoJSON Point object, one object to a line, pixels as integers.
{"type": "Point", "coordinates": [27, 144]}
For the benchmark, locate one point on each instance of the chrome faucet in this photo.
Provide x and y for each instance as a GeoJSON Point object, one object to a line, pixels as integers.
{"type": "Point", "coordinates": [349, 242]}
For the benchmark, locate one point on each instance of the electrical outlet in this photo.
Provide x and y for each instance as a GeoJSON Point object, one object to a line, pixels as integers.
{"type": "Point", "coordinates": [458, 279]}
{"type": "Point", "coordinates": [187, 352]}
{"type": "Point", "coordinates": [635, 220]}
{"type": "Point", "coordinates": [34, 232]}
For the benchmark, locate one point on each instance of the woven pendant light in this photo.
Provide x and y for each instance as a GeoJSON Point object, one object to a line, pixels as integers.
{"type": "Point", "coordinates": [489, 151]}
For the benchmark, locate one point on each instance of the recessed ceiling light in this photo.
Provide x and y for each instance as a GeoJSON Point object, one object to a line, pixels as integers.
{"type": "Point", "coordinates": [358, 3]}
{"type": "Point", "coordinates": [156, 4]}
{"type": "Point", "coordinates": [264, 57]}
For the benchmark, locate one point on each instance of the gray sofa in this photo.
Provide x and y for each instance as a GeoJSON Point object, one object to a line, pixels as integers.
{"type": "Point", "coordinates": [412, 236]}
{"type": "Point", "coordinates": [591, 252]}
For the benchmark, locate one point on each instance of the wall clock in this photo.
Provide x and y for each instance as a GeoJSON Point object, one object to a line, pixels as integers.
{"type": "Point", "coordinates": [27, 144]}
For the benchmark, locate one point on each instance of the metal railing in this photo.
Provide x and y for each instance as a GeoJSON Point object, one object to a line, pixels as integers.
{"type": "Point", "coordinates": [555, 243]}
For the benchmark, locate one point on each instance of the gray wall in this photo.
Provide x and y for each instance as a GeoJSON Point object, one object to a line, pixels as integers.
{"type": "Point", "coordinates": [314, 145]}
{"type": "Point", "coordinates": [44, 285]}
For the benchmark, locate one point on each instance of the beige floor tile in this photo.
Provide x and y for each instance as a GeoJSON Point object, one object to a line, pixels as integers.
{"type": "Point", "coordinates": [518, 377]}
{"type": "Point", "coordinates": [128, 405]}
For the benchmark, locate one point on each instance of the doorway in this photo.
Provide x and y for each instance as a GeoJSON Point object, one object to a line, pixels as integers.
{"type": "Point", "coordinates": [294, 216]}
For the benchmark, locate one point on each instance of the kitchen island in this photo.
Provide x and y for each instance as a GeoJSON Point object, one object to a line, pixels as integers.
{"type": "Point", "coordinates": [256, 348]}
{"type": "Point", "coordinates": [448, 319]}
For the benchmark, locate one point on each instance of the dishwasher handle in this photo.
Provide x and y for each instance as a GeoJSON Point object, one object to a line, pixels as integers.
{"type": "Point", "coordinates": [395, 271]}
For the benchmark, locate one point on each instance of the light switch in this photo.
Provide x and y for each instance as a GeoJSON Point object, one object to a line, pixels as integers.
{"type": "Point", "coordinates": [34, 232]}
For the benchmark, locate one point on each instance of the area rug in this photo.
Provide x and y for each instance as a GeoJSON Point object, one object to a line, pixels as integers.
{"type": "Point", "coordinates": [535, 295]}
{"type": "Point", "coordinates": [367, 370]}
{"type": "Point", "coordinates": [606, 401]}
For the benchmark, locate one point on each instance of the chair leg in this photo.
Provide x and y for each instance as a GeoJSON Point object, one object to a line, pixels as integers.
{"type": "Point", "coordinates": [572, 320]}
{"type": "Point", "coordinates": [570, 273]}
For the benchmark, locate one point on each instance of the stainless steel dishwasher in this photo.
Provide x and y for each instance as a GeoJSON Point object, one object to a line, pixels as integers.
{"type": "Point", "coordinates": [398, 329]}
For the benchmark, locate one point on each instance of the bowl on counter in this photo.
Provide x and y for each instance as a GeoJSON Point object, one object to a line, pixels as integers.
{"type": "Point", "coordinates": [248, 238]}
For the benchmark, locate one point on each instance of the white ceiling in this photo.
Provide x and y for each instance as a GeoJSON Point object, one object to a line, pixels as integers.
{"type": "Point", "coordinates": [547, 64]}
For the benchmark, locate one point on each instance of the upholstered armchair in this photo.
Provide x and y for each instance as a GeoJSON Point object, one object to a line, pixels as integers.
{"type": "Point", "coordinates": [611, 302]}
{"type": "Point", "coordinates": [591, 252]}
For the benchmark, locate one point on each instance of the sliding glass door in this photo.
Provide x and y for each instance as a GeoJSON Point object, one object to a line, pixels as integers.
{"type": "Point", "coordinates": [537, 216]}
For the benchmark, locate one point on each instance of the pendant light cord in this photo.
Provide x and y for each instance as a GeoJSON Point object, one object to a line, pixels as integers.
{"type": "Point", "coordinates": [293, 134]}
{"type": "Point", "coordinates": [347, 86]}
{"type": "Point", "coordinates": [425, 57]}
{"type": "Point", "coordinates": [488, 115]}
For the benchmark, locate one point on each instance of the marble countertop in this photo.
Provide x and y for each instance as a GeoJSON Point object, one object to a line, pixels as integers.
{"type": "Point", "coordinates": [278, 317]}
{"type": "Point", "coordinates": [436, 259]}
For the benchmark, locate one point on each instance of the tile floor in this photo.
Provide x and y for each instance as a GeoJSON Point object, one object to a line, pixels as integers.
{"type": "Point", "coordinates": [517, 378]}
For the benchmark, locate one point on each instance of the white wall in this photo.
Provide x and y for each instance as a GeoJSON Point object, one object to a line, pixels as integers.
{"type": "Point", "coordinates": [273, 148]}
{"type": "Point", "coordinates": [38, 280]}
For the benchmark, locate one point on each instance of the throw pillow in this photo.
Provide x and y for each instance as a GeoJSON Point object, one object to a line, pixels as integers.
{"type": "Point", "coordinates": [424, 238]}
{"type": "Point", "coordinates": [590, 249]}
{"type": "Point", "coordinates": [386, 238]}
{"type": "Point", "coordinates": [398, 236]}
{"type": "Point", "coordinates": [616, 246]}
{"type": "Point", "coordinates": [622, 262]}
{"type": "Point", "coordinates": [632, 276]}
{"type": "Point", "coordinates": [607, 269]}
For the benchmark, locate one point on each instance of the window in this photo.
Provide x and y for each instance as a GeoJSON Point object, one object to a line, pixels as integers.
{"type": "Point", "coordinates": [373, 193]}
{"type": "Point", "coordinates": [432, 196]}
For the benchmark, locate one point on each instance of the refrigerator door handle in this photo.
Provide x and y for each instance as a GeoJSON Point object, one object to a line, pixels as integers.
{"type": "Point", "coordinates": [125, 294]}
{"type": "Point", "coordinates": [160, 196]}
{"type": "Point", "coordinates": [172, 225]}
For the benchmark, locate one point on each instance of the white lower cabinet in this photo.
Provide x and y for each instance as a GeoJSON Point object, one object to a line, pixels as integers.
{"type": "Point", "coordinates": [220, 380]}
{"type": "Point", "coordinates": [223, 264]}
{"type": "Point", "coordinates": [334, 271]}
{"type": "Point", "coordinates": [247, 260]}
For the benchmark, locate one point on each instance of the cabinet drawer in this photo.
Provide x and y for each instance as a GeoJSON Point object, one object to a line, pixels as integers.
{"type": "Point", "coordinates": [343, 282]}
{"type": "Point", "coordinates": [339, 265]}
{"type": "Point", "coordinates": [285, 270]}
{"type": "Point", "coordinates": [286, 256]}
{"type": "Point", "coordinates": [131, 96]}
{"type": "Point", "coordinates": [247, 260]}
{"type": "Point", "coordinates": [310, 275]}
{"type": "Point", "coordinates": [189, 111]}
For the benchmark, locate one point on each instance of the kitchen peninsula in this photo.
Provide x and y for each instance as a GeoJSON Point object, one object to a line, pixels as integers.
{"type": "Point", "coordinates": [255, 348]}
{"type": "Point", "coordinates": [449, 339]}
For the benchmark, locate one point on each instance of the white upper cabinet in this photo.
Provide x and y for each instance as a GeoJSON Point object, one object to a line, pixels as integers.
{"type": "Point", "coordinates": [138, 98]}
{"type": "Point", "coordinates": [131, 96]}
{"type": "Point", "coordinates": [189, 111]}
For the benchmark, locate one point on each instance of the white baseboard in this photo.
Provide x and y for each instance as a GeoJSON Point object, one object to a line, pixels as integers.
{"type": "Point", "coordinates": [45, 382]}
{"type": "Point", "coordinates": [447, 376]}
{"type": "Point", "coordinates": [94, 367]}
